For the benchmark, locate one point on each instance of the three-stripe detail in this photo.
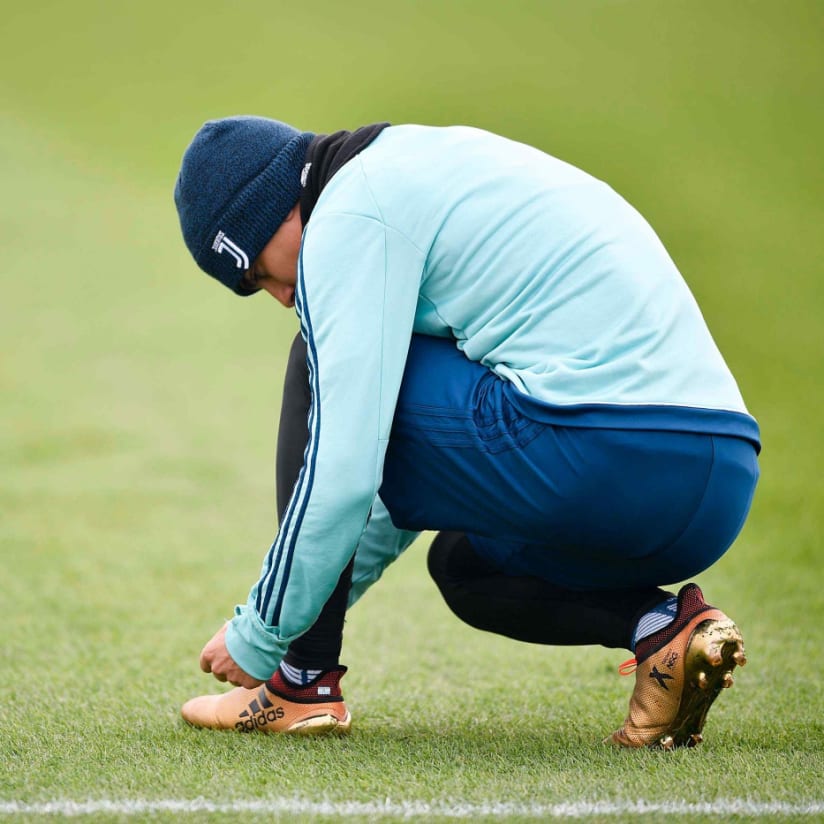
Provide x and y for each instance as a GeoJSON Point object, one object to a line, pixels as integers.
{"type": "Point", "coordinates": [278, 563]}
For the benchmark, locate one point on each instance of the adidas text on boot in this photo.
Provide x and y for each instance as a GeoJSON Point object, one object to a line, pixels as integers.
{"type": "Point", "coordinates": [680, 671]}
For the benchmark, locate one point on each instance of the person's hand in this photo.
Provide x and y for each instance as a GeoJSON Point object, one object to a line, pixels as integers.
{"type": "Point", "coordinates": [215, 658]}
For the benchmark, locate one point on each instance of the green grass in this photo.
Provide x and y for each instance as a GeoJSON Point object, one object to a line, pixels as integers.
{"type": "Point", "coordinates": [139, 401]}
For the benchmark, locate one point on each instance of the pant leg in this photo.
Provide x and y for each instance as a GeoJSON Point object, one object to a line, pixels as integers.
{"type": "Point", "coordinates": [293, 428]}
{"type": "Point", "coordinates": [531, 609]}
{"type": "Point", "coordinates": [320, 646]}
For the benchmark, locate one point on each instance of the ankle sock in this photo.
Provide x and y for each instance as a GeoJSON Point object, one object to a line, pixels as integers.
{"type": "Point", "coordinates": [655, 620]}
{"type": "Point", "coordinates": [298, 677]}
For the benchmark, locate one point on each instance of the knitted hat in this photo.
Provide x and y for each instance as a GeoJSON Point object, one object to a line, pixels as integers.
{"type": "Point", "coordinates": [239, 179]}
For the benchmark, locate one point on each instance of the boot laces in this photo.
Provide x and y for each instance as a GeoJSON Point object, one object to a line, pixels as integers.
{"type": "Point", "coordinates": [628, 667]}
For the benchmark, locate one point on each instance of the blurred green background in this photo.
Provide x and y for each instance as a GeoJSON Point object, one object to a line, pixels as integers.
{"type": "Point", "coordinates": [139, 398]}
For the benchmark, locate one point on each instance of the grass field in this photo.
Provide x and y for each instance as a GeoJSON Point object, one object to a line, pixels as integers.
{"type": "Point", "coordinates": [139, 403]}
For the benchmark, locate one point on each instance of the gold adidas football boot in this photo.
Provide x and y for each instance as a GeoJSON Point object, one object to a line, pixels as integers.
{"type": "Point", "coordinates": [679, 672]}
{"type": "Point", "coordinates": [276, 706]}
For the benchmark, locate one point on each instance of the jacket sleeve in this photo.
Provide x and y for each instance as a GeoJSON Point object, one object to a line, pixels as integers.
{"type": "Point", "coordinates": [356, 294]}
{"type": "Point", "coordinates": [380, 545]}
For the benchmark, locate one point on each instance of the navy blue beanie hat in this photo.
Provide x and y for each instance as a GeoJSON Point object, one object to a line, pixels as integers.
{"type": "Point", "coordinates": [239, 179]}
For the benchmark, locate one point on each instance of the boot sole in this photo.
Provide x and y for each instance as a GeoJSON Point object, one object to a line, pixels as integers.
{"type": "Point", "coordinates": [714, 650]}
{"type": "Point", "coordinates": [321, 725]}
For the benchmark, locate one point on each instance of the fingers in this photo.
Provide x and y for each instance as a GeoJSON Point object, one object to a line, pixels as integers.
{"type": "Point", "coordinates": [214, 654]}
{"type": "Point", "coordinates": [244, 680]}
{"type": "Point", "coordinates": [215, 658]}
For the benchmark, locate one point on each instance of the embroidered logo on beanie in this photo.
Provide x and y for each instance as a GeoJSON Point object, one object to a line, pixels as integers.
{"type": "Point", "coordinates": [224, 244]}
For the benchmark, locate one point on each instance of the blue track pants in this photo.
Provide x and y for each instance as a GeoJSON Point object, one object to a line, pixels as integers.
{"type": "Point", "coordinates": [582, 508]}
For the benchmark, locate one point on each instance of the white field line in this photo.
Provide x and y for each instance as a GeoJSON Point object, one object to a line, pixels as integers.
{"type": "Point", "coordinates": [414, 809]}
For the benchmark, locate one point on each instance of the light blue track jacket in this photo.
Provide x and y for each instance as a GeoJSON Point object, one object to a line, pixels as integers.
{"type": "Point", "coordinates": [538, 270]}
